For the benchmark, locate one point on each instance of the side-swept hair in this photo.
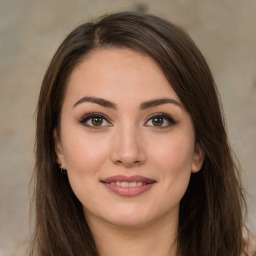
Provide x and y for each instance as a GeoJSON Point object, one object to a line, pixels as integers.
{"type": "Point", "coordinates": [211, 211]}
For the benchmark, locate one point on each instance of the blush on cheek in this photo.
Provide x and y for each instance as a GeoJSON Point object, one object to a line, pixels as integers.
{"type": "Point", "coordinates": [175, 164]}
{"type": "Point", "coordinates": [177, 157]}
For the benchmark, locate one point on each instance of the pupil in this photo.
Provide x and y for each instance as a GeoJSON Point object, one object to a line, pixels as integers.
{"type": "Point", "coordinates": [158, 121]}
{"type": "Point", "coordinates": [97, 121]}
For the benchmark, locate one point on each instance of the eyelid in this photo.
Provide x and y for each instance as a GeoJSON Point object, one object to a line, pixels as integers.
{"type": "Point", "coordinates": [87, 117]}
{"type": "Point", "coordinates": [91, 115]}
{"type": "Point", "coordinates": [168, 117]}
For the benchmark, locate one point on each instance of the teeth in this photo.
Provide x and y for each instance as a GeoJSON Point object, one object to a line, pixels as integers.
{"type": "Point", "coordinates": [125, 184]}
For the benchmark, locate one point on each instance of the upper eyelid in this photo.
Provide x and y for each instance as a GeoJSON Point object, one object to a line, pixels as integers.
{"type": "Point", "coordinates": [90, 115]}
{"type": "Point", "coordinates": [163, 115]}
{"type": "Point", "coordinates": [159, 114]}
{"type": "Point", "coordinates": [85, 118]}
{"type": "Point", "coordinates": [95, 114]}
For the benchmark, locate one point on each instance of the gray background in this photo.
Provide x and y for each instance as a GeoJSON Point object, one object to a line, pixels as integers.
{"type": "Point", "coordinates": [30, 32]}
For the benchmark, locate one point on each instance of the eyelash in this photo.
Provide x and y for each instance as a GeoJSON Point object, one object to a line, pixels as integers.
{"type": "Point", "coordinates": [164, 116]}
{"type": "Point", "coordinates": [87, 117]}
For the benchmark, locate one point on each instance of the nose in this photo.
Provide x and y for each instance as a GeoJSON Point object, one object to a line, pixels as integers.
{"type": "Point", "coordinates": [128, 149]}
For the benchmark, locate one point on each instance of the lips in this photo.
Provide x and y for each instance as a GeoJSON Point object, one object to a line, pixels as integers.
{"type": "Point", "coordinates": [128, 186]}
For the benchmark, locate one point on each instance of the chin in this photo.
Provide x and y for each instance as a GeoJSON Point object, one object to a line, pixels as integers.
{"type": "Point", "coordinates": [122, 218]}
{"type": "Point", "coordinates": [130, 221]}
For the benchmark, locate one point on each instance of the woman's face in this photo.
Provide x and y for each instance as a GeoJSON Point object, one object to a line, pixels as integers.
{"type": "Point", "coordinates": [126, 140]}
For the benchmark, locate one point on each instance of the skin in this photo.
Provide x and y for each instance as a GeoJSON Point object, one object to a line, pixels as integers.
{"type": "Point", "coordinates": [129, 141]}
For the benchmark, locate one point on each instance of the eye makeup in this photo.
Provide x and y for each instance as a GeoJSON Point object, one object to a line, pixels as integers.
{"type": "Point", "coordinates": [160, 120]}
{"type": "Point", "coordinates": [95, 120]}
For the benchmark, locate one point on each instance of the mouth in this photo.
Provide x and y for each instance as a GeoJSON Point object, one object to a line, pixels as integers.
{"type": "Point", "coordinates": [125, 184]}
{"type": "Point", "coordinates": [128, 186]}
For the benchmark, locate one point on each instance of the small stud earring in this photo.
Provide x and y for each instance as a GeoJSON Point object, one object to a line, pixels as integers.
{"type": "Point", "coordinates": [63, 171]}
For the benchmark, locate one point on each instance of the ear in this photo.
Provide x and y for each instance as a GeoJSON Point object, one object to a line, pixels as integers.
{"type": "Point", "coordinates": [198, 158]}
{"type": "Point", "coordinates": [58, 149]}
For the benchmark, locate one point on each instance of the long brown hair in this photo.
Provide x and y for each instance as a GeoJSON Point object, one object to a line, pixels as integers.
{"type": "Point", "coordinates": [211, 211]}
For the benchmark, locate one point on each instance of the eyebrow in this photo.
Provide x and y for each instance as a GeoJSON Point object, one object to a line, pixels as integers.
{"type": "Point", "coordinates": [157, 102]}
{"type": "Point", "coordinates": [143, 106]}
{"type": "Point", "coordinates": [99, 101]}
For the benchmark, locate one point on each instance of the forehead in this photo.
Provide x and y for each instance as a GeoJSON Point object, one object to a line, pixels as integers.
{"type": "Point", "coordinates": [118, 74]}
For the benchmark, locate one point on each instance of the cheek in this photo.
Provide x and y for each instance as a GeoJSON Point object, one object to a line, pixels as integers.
{"type": "Point", "coordinates": [84, 158]}
{"type": "Point", "coordinates": [174, 162]}
{"type": "Point", "coordinates": [83, 154]}
{"type": "Point", "coordinates": [174, 155]}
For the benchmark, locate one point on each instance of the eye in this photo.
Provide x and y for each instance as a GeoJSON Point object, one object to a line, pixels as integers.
{"type": "Point", "coordinates": [160, 120]}
{"type": "Point", "coordinates": [95, 120]}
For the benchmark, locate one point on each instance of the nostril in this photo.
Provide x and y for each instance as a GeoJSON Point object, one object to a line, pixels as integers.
{"type": "Point", "coordinates": [118, 162]}
{"type": "Point", "coordinates": [128, 156]}
{"type": "Point", "coordinates": [128, 163]}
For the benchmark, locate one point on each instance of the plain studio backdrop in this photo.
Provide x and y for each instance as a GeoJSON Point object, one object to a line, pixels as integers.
{"type": "Point", "coordinates": [31, 31]}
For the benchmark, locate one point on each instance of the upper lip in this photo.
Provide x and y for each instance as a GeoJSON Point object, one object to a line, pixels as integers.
{"type": "Point", "coordinates": [134, 178]}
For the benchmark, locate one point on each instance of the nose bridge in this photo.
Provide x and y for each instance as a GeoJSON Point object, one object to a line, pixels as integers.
{"type": "Point", "coordinates": [128, 146]}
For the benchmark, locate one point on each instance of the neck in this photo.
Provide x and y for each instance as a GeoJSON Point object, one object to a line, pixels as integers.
{"type": "Point", "coordinates": [158, 238]}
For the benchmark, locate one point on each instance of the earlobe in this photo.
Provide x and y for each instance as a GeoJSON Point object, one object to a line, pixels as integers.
{"type": "Point", "coordinates": [198, 158]}
{"type": "Point", "coordinates": [58, 149]}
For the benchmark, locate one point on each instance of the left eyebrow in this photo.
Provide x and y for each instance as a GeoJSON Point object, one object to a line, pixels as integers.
{"type": "Point", "coordinates": [157, 102]}
{"type": "Point", "coordinates": [99, 101]}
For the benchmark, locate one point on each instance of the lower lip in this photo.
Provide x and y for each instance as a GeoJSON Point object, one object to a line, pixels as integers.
{"type": "Point", "coordinates": [129, 191]}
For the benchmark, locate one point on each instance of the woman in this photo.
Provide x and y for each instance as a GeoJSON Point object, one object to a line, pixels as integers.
{"type": "Point", "coordinates": [132, 156]}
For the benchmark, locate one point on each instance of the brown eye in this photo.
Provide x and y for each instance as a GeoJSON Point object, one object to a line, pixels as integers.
{"type": "Point", "coordinates": [95, 120]}
{"type": "Point", "coordinates": [161, 121]}
{"type": "Point", "coordinates": [157, 121]}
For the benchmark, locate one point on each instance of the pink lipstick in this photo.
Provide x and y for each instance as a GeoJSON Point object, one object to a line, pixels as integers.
{"type": "Point", "coordinates": [128, 186]}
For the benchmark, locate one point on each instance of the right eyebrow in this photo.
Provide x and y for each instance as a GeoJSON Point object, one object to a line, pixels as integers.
{"type": "Point", "coordinates": [158, 102]}
{"type": "Point", "coordinates": [99, 101]}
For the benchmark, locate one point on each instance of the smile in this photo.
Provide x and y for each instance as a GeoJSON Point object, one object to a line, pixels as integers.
{"type": "Point", "coordinates": [125, 184]}
{"type": "Point", "coordinates": [128, 186]}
